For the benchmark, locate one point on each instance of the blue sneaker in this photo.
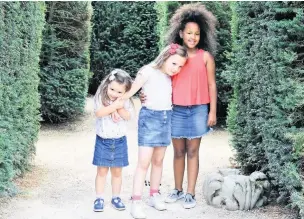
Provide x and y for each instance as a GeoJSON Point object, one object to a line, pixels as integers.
{"type": "Point", "coordinates": [117, 204]}
{"type": "Point", "coordinates": [189, 201]}
{"type": "Point", "coordinates": [174, 196]}
{"type": "Point", "coordinates": [98, 205]}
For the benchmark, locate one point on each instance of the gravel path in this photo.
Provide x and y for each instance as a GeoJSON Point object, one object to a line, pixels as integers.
{"type": "Point", "coordinates": [61, 184]}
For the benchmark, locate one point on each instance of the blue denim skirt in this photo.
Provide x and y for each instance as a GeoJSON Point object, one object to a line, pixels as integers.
{"type": "Point", "coordinates": [154, 127]}
{"type": "Point", "coordinates": [111, 152]}
{"type": "Point", "coordinates": [190, 121]}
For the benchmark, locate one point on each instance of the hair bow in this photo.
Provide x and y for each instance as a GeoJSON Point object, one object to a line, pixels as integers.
{"type": "Point", "coordinates": [112, 76]}
{"type": "Point", "coordinates": [173, 48]}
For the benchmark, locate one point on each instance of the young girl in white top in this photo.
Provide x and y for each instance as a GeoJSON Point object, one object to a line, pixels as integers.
{"type": "Point", "coordinates": [111, 149]}
{"type": "Point", "coordinates": [154, 123]}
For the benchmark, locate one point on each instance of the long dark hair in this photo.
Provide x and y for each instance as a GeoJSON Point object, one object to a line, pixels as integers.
{"type": "Point", "coordinates": [196, 13]}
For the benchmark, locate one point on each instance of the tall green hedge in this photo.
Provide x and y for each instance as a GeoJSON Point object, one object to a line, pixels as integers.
{"type": "Point", "coordinates": [222, 12]}
{"type": "Point", "coordinates": [266, 116]}
{"type": "Point", "coordinates": [21, 25]}
{"type": "Point", "coordinates": [124, 36]}
{"type": "Point", "coordinates": [165, 10]}
{"type": "Point", "coordinates": [65, 60]}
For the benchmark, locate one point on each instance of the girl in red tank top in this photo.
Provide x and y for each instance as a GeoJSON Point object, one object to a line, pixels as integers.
{"type": "Point", "coordinates": [194, 88]}
{"type": "Point", "coordinates": [190, 87]}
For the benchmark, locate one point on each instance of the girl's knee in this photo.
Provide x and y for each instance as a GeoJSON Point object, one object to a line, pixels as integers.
{"type": "Point", "coordinates": [157, 162]}
{"type": "Point", "coordinates": [102, 171]}
{"type": "Point", "coordinates": [192, 153]}
{"type": "Point", "coordinates": [179, 153]}
{"type": "Point", "coordinates": [116, 172]}
{"type": "Point", "coordinates": [143, 165]}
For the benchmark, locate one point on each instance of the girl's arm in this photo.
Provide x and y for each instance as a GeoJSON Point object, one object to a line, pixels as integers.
{"type": "Point", "coordinates": [127, 111]}
{"type": "Point", "coordinates": [139, 81]}
{"type": "Point", "coordinates": [210, 64]}
{"type": "Point", "coordinates": [124, 113]}
{"type": "Point", "coordinates": [107, 110]}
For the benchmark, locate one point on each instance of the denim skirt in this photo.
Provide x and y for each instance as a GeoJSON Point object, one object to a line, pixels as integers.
{"type": "Point", "coordinates": [111, 152]}
{"type": "Point", "coordinates": [154, 127]}
{"type": "Point", "coordinates": [190, 121]}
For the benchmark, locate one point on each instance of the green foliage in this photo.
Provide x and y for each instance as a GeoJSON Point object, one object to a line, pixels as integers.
{"type": "Point", "coordinates": [65, 60]}
{"type": "Point", "coordinates": [165, 10]}
{"type": "Point", "coordinates": [297, 197]}
{"type": "Point", "coordinates": [162, 24]}
{"type": "Point", "coordinates": [267, 76]}
{"type": "Point", "coordinates": [124, 36]}
{"type": "Point", "coordinates": [21, 25]}
{"type": "Point", "coordinates": [222, 12]}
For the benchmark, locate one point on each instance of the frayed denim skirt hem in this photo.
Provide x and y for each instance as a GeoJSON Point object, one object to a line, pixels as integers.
{"type": "Point", "coordinates": [154, 128]}
{"type": "Point", "coordinates": [142, 144]}
{"type": "Point", "coordinates": [190, 122]}
{"type": "Point", "coordinates": [111, 152]}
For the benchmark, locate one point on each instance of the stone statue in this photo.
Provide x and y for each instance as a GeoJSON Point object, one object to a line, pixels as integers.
{"type": "Point", "coordinates": [232, 191]}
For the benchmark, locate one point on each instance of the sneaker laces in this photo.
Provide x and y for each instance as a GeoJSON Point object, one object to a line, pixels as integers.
{"type": "Point", "coordinates": [157, 196]}
{"type": "Point", "coordinates": [174, 193]}
{"type": "Point", "coordinates": [157, 193]}
{"type": "Point", "coordinates": [138, 204]}
{"type": "Point", "coordinates": [189, 198]}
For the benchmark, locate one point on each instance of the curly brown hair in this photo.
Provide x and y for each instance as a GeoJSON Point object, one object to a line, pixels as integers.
{"type": "Point", "coordinates": [196, 13]}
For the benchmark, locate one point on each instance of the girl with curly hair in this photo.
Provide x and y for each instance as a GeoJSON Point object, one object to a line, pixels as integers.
{"type": "Point", "coordinates": [193, 90]}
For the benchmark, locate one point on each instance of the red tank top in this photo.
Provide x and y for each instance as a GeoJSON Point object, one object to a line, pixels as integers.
{"type": "Point", "coordinates": [190, 86]}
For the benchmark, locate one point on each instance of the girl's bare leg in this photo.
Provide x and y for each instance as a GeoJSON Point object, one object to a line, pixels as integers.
{"type": "Point", "coordinates": [100, 180]}
{"type": "Point", "coordinates": [157, 167]}
{"type": "Point", "coordinates": [193, 146]}
{"type": "Point", "coordinates": [144, 159]}
{"type": "Point", "coordinates": [116, 180]}
{"type": "Point", "coordinates": [179, 146]}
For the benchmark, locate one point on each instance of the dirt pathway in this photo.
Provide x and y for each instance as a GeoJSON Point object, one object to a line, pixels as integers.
{"type": "Point", "coordinates": [61, 185]}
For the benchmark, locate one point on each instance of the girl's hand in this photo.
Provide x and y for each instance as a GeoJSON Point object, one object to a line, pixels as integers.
{"type": "Point", "coordinates": [142, 97]}
{"type": "Point", "coordinates": [124, 97]}
{"type": "Point", "coordinates": [115, 117]}
{"type": "Point", "coordinates": [118, 103]}
{"type": "Point", "coordinates": [211, 119]}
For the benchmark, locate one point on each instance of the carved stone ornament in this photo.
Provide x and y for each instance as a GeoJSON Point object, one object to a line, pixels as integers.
{"type": "Point", "coordinates": [229, 190]}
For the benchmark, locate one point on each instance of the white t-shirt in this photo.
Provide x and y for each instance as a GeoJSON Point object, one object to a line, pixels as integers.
{"type": "Point", "coordinates": [157, 88]}
{"type": "Point", "coordinates": [105, 127]}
